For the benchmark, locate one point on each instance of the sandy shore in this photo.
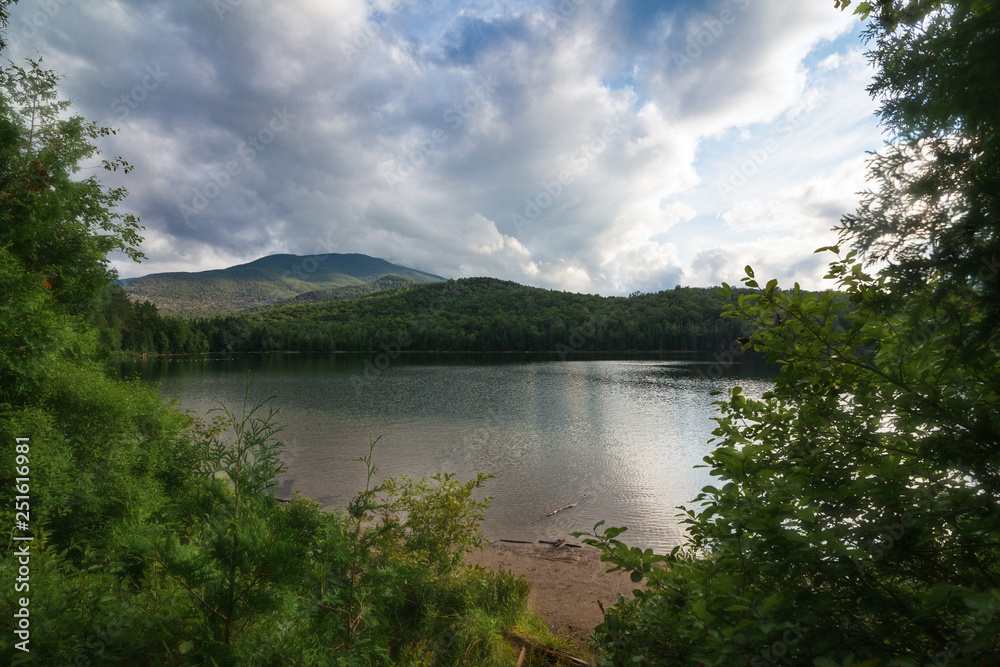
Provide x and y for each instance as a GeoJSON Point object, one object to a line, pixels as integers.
{"type": "Point", "coordinates": [566, 583]}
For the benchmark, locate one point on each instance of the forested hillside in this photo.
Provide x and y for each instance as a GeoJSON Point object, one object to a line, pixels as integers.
{"type": "Point", "coordinates": [470, 315]}
{"type": "Point", "coordinates": [485, 314]}
{"type": "Point", "coordinates": [265, 281]}
{"type": "Point", "coordinates": [351, 291]}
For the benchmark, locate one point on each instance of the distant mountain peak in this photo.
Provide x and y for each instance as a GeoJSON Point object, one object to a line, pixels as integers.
{"type": "Point", "coordinates": [262, 282]}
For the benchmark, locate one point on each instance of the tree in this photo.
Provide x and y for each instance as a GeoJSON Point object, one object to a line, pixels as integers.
{"type": "Point", "coordinates": [856, 516]}
{"type": "Point", "coordinates": [60, 228]}
{"type": "Point", "coordinates": [55, 230]}
{"type": "Point", "coordinates": [936, 199]}
{"type": "Point", "coordinates": [4, 15]}
{"type": "Point", "coordinates": [236, 562]}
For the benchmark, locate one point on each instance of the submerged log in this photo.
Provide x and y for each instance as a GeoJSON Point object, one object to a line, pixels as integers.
{"type": "Point", "coordinates": [558, 510]}
{"type": "Point", "coordinates": [560, 543]}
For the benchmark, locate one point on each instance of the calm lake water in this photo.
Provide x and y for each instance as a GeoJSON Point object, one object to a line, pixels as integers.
{"type": "Point", "coordinates": [624, 432]}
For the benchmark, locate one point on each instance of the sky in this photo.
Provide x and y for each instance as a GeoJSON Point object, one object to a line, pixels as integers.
{"type": "Point", "coordinates": [595, 146]}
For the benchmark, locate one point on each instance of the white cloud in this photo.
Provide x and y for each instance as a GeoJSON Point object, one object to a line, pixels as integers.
{"type": "Point", "coordinates": [482, 237]}
{"type": "Point", "coordinates": [807, 210]}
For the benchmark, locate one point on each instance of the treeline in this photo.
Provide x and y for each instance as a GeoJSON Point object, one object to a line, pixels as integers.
{"type": "Point", "coordinates": [468, 315]}
{"type": "Point", "coordinates": [138, 327]}
{"type": "Point", "coordinates": [483, 314]}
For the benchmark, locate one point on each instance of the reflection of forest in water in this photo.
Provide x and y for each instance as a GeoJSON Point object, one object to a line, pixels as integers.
{"type": "Point", "coordinates": [625, 433]}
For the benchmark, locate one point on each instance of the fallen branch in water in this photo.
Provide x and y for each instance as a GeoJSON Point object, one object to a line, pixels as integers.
{"type": "Point", "coordinates": [558, 510]}
{"type": "Point", "coordinates": [560, 543]}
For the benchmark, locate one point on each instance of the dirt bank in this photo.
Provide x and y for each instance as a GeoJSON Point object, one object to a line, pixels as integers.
{"type": "Point", "coordinates": [566, 583]}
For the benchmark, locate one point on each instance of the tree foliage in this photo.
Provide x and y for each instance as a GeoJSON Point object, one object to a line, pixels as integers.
{"type": "Point", "coordinates": [935, 199]}
{"type": "Point", "coordinates": [55, 230]}
{"type": "Point", "coordinates": [482, 314]}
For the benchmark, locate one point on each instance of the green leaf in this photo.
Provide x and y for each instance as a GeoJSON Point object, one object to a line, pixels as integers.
{"type": "Point", "coordinates": [825, 662]}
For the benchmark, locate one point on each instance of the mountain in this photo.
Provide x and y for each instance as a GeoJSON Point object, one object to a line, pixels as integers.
{"type": "Point", "coordinates": [263, 282]}
{"type": "Point", "coordinates": [350, 292]}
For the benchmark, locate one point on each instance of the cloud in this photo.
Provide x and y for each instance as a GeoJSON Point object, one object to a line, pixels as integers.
{"type": "Point", "coordinates": [571, 144]}
{"type": "Point", "coordinates": [804, 209]}
{"type": "Point", "coordinates": [786, 229]}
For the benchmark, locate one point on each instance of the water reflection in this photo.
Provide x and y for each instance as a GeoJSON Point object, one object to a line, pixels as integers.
{"type": "Point", "coordinates": [624, 432]}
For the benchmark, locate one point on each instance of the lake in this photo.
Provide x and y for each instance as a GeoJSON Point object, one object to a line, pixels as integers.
{"type": "Point", "coordinates": [619, 435]}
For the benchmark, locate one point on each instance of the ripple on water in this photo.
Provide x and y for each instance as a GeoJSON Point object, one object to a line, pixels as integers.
{"type": "Point", "coordinates": [620, 438]}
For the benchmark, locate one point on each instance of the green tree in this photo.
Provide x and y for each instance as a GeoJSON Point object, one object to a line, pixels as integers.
{"type": "Point", "coordinates": [236, 561]}
{"type": "Point", "coordinates": [936, 198]}
{"type": "Point", "coordinates": [4, 16]}
{"type": "Point", "coordinates": [61, 228]}
{"type": "Point", "coordinates": [101, 452]}
{"type": "Point", "coordinates": [55, 231]}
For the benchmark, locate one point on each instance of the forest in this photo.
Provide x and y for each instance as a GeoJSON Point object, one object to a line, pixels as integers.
{"type": "Point", "coordinates": [469, 314]}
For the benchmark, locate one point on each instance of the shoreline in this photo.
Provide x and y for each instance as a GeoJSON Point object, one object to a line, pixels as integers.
{"type": "Point", "coordinates": [567, 584]}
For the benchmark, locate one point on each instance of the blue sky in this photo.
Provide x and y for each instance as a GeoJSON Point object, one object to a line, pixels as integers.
{"type": "Point", "coordinates": [598, 146]}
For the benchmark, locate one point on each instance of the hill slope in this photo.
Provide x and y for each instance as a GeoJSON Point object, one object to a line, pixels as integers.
{"type": "Point", "coordinates": [266, 281]}
{"type": "Point", "coordinates": [350, 292]}
{"type": "Point", "coordinates": [483, 314]}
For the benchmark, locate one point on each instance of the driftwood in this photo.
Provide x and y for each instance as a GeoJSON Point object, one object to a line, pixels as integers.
{"type": "Point", "coordinates": [560, 543]}
{"type": "Point", "coordinates": [558, 510]}
{"type": "Point", "coordinates": [561, 657]}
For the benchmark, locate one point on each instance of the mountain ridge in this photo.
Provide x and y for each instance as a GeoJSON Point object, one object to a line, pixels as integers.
{"type": "Point", "coordinates": [262, 282]}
